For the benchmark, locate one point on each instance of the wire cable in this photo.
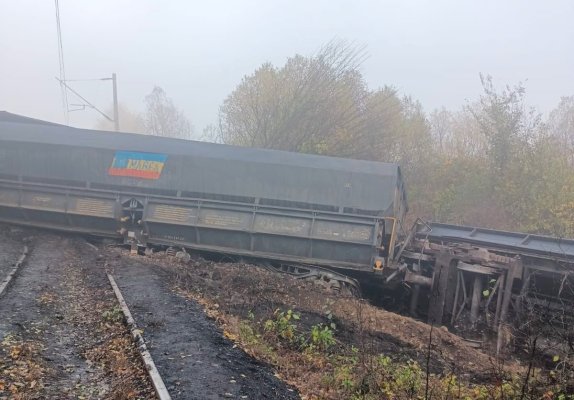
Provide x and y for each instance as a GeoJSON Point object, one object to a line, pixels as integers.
{"type": "Point", "coordinates": [63, 88]}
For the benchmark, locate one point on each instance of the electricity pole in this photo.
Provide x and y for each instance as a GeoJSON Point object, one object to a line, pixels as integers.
{"type": "Point", "coordinates": [116, 112]}
{"type": "Point", "coordinates": [116, 119]}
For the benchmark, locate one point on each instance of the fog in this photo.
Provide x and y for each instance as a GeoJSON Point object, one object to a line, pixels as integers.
{"type": "Point", "coordinates": [198, 52]}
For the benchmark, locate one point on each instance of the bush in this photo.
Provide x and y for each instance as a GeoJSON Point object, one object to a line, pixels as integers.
{"type": "Point", "coordinates": [282, 325]}
{"type": "Point", "coordinates": [322, 337]}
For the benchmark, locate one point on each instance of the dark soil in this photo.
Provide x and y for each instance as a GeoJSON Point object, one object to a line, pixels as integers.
{"type": "Point", "coordinates": [235, 295]}
{"type": "Point", "coordinates": [194, 358]}
{"type": "Point", "coordinates": [54, 342]}
{"type": "Point", "coordinates": [240, 289]}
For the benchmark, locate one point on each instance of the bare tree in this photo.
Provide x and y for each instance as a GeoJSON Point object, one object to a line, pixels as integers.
{"type": "Point", "coordinates": [163, 118]}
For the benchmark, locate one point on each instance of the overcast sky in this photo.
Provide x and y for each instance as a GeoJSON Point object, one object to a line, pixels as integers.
{"type": "Point", "coordinates": [198, 51]}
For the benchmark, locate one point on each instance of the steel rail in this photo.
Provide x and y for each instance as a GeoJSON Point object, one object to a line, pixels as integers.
{"type": "Point", "coordinates": [12, 274]}
{"type": "Point", "coordinates": [153, 373]}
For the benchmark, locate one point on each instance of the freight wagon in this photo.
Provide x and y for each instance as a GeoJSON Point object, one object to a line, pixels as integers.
{"type": "Point", "coordinates": [296, 208]}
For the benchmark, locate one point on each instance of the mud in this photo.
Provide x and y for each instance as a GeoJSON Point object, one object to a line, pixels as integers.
{"type": "Point", "coordinates": [194, 358]}
{"type": "Point", "coordinates": [53, 339]}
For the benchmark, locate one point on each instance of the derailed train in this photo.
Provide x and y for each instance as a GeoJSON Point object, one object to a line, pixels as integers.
{"type": "Point", "coordinates": [286, 206]}
{"type": "Point", "coordinates": [302, 211]}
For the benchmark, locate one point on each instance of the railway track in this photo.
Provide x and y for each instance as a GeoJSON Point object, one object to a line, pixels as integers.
{"type": "Point", "coordinates": [153, 373]}
{"type": "Point", "coordinates": [54, 341]}
{"type": "Point", "coordinates": [10, 277]}
{"type": "Point", "coordinates": [13, 250]}
{"type": "Point", "coordinates": [194, 358]}
{"type": "Point", "coordinates": [63, 335]}
{"type": "Point", "coordinates": [7, 280]}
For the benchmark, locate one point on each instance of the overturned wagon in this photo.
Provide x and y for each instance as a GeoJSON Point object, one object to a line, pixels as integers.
{"type": "Point", "coordinates": [296, 208]}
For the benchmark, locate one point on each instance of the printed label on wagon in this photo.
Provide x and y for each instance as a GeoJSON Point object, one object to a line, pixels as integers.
{"type": "Point", "coordinates": [137, 165]}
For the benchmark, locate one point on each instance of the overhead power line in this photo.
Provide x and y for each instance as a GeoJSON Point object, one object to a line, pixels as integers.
{"type": "Point", "coordinates": [62, 79]}
{"type": "Point", "coordinates": [65, 85]}
{"type": "Point", "coordinates": [87, 103]}
{"type": "Point", "coordinates": [88, 80]}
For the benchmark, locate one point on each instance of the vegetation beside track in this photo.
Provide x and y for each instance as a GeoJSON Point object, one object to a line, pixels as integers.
{"type": "Point", "coordinates": [331, 345]}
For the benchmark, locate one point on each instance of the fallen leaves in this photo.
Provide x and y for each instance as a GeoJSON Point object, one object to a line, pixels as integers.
{"type": "Point", "coordinates": [231, 336]}
{"type": "Point", "coordinates": [24, 375]}
{"type": "Point", "coordinates": [47, 298]}
{"type": "Point", "coordinates": [65, 348]}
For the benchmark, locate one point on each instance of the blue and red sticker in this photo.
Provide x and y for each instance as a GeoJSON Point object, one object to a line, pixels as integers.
{"type": "Point", "coordinates": [137, 165]}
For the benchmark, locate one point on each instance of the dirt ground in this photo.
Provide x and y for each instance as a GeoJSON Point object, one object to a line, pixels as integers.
{"type": "Point", "coordinates": [242, 289]}
{"type": "Point", "coordinates": [63, 336]}
{"type": "Point", "coordinates": [59, 337]}
{"type": "Point", "coordinates": [195, 360]}
{"type": "Point", "coordinates": [216, 330]}
{"type": "Point", "coordinates": [233, 293]}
